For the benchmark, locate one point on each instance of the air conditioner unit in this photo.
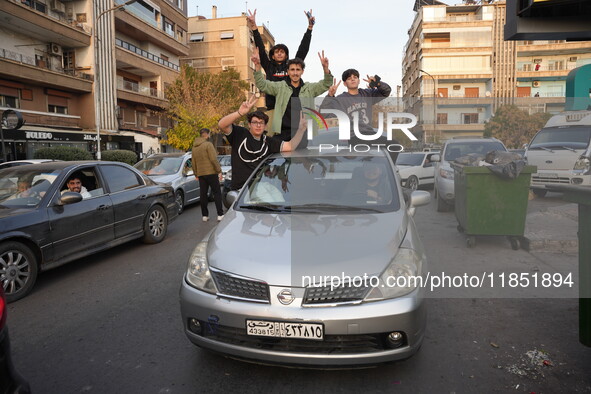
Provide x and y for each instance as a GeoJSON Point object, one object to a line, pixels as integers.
{"type": "Point", "coordinates": [535, 84]}
{"type": "Point", "coordinates": [572, 59]}
{"type": "Point", "coordinates": [58, 6]}
{"type": "Point", "coordinates": [55, 49]}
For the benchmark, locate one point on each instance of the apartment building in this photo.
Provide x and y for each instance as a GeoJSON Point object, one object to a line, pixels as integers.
{"type": "Point", "coordinates": [51, 71]}
{"type": "Point", "coordinates": [217, 44]}
{"type": "Point", "coordinates": [457, 68]}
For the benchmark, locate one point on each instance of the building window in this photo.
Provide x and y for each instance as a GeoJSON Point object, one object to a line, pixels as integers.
{"type": "Point", "coordinates": [9, 101]}
{"type": "Point", "coordinates": [57, 109]}
{"type": "Point", "coordinates": [469, 118]}
{"type": "Point", "coordinates": [40, 7]}
{"type": "Point", "coordinates": [196, 37]}
{"type": "Point", "coordinates": [167, 27]}
{"type": "Point", "coordinates": [227, 35]}
{"type": "Point", "coordinates": [69, 60]}
{"type": "Point", "coordinates": [442, 118]}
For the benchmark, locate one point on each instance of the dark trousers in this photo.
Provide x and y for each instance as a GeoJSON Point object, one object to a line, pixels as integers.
{"type": "Point", "coordinates": [205, 182]}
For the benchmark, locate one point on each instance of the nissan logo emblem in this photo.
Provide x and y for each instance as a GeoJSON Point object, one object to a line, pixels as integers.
{"type": "Point", "coordinates": [285, 297]}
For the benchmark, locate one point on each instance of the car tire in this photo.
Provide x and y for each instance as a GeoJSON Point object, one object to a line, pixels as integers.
{"type": "Point", "coordinates": [17, 261]}
{"type": "Point", "coordinates": [412, 182]}
{"type": "Point", "coordinates": [180, 200]}
{"type": "Point", "coordinates": [155, 225]}
{"type": "Point", "coordinates": [442, 206]}
{"type": "Point", "coordinates": [540, 192]}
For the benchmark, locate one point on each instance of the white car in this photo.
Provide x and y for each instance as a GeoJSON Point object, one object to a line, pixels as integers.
{"type": "Point", "coordinates": [416, 169]}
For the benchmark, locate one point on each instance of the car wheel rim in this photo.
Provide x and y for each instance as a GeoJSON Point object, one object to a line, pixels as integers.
{"type": "Point", "coordinates": [179, 201]}
{"type": "Point", "coordinates": [14, 271]}
{"type": "Point", "coordinates": [156, 223]}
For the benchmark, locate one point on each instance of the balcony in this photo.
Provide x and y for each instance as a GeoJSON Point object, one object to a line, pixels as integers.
{"type": "Point", "coordinates": [38, 71]}
{"type": "Point", "coordinates": [131, 91]}
{"type": "Point", "coordinates": [146, 55]}
{"type": "Point", "coordinates": [19, 16]}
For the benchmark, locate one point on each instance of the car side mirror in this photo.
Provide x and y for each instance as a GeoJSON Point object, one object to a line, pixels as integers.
{"type": "Point", "coordinates": [418, 198]}
{"type": "Point", "coordinates": [190, 173]}
{"type": "Point", "coordinates": [69, 198]}
{"type": "Point", "coordinates": [231, 197]}
{"type": "Point", "coordinates": [435, 158]}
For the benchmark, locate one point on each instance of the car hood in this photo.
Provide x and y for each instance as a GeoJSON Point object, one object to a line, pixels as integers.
{"type": "Point", "coordinates": [560, 160]}
{"type": "Point", "coordinates": [281, 248]}
{"type": "Point", "coordinates": [11, 212]}
{"type": "Point", "coordinates": [168, 179]}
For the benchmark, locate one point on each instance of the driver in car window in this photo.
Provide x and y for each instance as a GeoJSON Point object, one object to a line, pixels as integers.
{"type": "Point", "coordinates": [74, 184]}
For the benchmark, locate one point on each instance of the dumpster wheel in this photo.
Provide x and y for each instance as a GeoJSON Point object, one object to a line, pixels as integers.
{"type": "Point", "coordinates": [470, 241]}
{"type": "Point", "coordinates": [515, 244]}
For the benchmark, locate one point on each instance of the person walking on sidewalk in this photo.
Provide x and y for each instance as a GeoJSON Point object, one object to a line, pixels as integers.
{"type": "Point", "coordinates": [207, 169]}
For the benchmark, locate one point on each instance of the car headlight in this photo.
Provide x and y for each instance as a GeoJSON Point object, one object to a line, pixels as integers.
{"type": "Point", "coordinates": [228, 175]}
{"type": "Point", "coordinates": [447, 174]}
{"type": "Point", "coordinates": [583, 166]}
{"type": "Point", "coordinates": [198, 273]}
{"type": "Point", "coordinates": [400, 278]}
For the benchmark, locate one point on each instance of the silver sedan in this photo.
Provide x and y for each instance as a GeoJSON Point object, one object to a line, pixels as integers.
{"type": "Point", "coordinates": [312, 265]}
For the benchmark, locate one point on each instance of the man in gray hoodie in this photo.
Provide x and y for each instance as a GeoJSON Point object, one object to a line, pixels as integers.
{"type": "Point", "coordinates": [207, 169]}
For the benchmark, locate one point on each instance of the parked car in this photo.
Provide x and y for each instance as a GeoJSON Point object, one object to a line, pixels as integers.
{"type": "Point", "coordinates": [10, 380]}
{"type": "Point", "coordinates": [416, 169]}
{"type": "Point", "coordinates": [226, 163]}
{"type": "Point", "coordinates": [15, 163]}
{"type": "Point", "coordinates": [561, 151]}
{"type": "Point", "coordinates": [444, 173]}
{"type": "Point", "coordinates": [44, 225]}
{"type": "Point", "coordinates": [175, 170]}
{"type": "Point", "coordinates": [249, 293]}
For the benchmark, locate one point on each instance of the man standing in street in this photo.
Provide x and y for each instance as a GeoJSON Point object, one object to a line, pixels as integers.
{"type": "Point", "coordinates": [207, 169]}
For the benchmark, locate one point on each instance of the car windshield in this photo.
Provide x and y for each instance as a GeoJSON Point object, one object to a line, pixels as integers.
{"type": "Point", "coordinates": [459, 149]}
{"type": "Point", "coordinates": [410, 159]}
{"type": "Point", "coordinates": [327, 184]}
{"type": "Point", "coordinates": [23, 187]}
{"type": "Point", "coordinates": [160, 165]}
{"type": "Point", "coordinates": [574, 137]}
{"type": "Point", "coordinates": [225, 160]}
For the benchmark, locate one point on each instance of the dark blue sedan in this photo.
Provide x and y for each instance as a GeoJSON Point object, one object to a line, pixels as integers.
{"type": "Point", "coordinates": [53, 213]}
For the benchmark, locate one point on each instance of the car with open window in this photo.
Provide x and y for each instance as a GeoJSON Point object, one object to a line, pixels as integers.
{"type": "Point", "coordinates": [301, 269]}
{"type": "Point", "coordinates": [45, 224]}
{"type": "Point", "coordinates": [416, 169]}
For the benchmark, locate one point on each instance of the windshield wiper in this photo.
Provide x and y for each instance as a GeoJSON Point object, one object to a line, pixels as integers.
{"type": "Point", "coordinates": [333, 207]}
{"type": "Point", "coordinates": [568, 148]}
{"type": "Point", "coordinates": [265, 207]}
{"type": "Point", "coordinates": [542, 147]}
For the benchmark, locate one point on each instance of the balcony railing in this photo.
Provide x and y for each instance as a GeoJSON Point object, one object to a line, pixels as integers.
{"type": "Point", "coordinates": [455, 18]}
{"type": "Point", "coordinates": [146, 54]}
{"type": "Point", "coordinates": [41, 63]}
{"type": "Point", "coordinates": [546, 67]}
{"type": "Point", "coordinates": [137, 88]}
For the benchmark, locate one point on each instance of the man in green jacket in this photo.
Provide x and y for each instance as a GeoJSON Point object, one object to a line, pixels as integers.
{"type": "Point", "coordinates": [291, 96]}
{"type": "Point", "coordinates": [206, 168]}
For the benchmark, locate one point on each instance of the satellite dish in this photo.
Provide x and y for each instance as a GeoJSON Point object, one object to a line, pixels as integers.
{"type": "Point", "coordinates": [487, 94]}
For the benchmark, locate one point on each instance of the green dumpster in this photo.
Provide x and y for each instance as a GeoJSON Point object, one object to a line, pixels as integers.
{"type": "Point", "coordinates": [486, 204]}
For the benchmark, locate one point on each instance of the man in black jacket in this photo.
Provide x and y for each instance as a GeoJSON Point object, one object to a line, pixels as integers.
{"type": "Point", "coordinates": [275, 63]}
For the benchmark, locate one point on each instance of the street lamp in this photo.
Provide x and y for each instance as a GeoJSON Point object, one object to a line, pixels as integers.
{"type": "Point", "coordinates": [97, 92]}
{"type": "Point", "coordinates": [434, 106]}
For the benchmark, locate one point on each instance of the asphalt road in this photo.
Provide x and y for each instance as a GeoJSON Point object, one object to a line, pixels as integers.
{"type": "Point", "coordinates": [111, 323]}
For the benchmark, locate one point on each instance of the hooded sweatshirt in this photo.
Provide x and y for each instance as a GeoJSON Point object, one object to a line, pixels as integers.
{"type": "Point", "coordinates": [278, 71]}
{"type": "Point", "coordinates": [204, 158]}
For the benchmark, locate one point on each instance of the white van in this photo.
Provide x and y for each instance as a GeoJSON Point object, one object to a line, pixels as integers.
{"type": "Point", "coordinates": [561, 151]}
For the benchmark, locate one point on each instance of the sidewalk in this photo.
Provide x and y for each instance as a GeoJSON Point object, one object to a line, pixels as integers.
{"type": "Point", "coordinates": [551, 225]}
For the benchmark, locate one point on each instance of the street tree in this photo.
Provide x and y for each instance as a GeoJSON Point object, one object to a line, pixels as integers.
{"type": "Point", "coordinates": [198, 100]}
{"type": "Point", "coordinates": [514, 126]}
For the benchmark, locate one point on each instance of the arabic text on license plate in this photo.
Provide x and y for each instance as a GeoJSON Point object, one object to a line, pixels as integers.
{"type": "Point", "coordinates": [285, 329]}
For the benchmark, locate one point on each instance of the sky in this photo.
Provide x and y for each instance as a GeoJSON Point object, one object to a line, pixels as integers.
{"type": "Point", "coordinates": [368, 36]}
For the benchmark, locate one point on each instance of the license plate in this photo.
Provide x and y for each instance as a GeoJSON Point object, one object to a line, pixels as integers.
{"type": "Point", "coordinates": [264, 328]}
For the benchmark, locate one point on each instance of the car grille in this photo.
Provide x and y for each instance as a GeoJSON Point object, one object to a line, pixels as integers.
{"type": "Point", "coordinates": [331, 344]}
{"type": "Point", "coordinates": [337, 294]}
{"type": "Point", "coordinates": [234, 286]}
{"type": "Point", "coordinates": [541, 180]}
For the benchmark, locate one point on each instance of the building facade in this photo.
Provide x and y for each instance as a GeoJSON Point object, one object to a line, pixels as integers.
{"type": "Point", "coordinates": [457, 69]}
{"type": "Point", "coordinates": [52, 71]}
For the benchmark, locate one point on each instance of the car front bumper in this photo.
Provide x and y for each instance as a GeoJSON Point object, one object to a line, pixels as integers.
{"type": "Point", "coordinates": [353, 334]}
{"type": "Point", "coordinates": [445, 189]}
